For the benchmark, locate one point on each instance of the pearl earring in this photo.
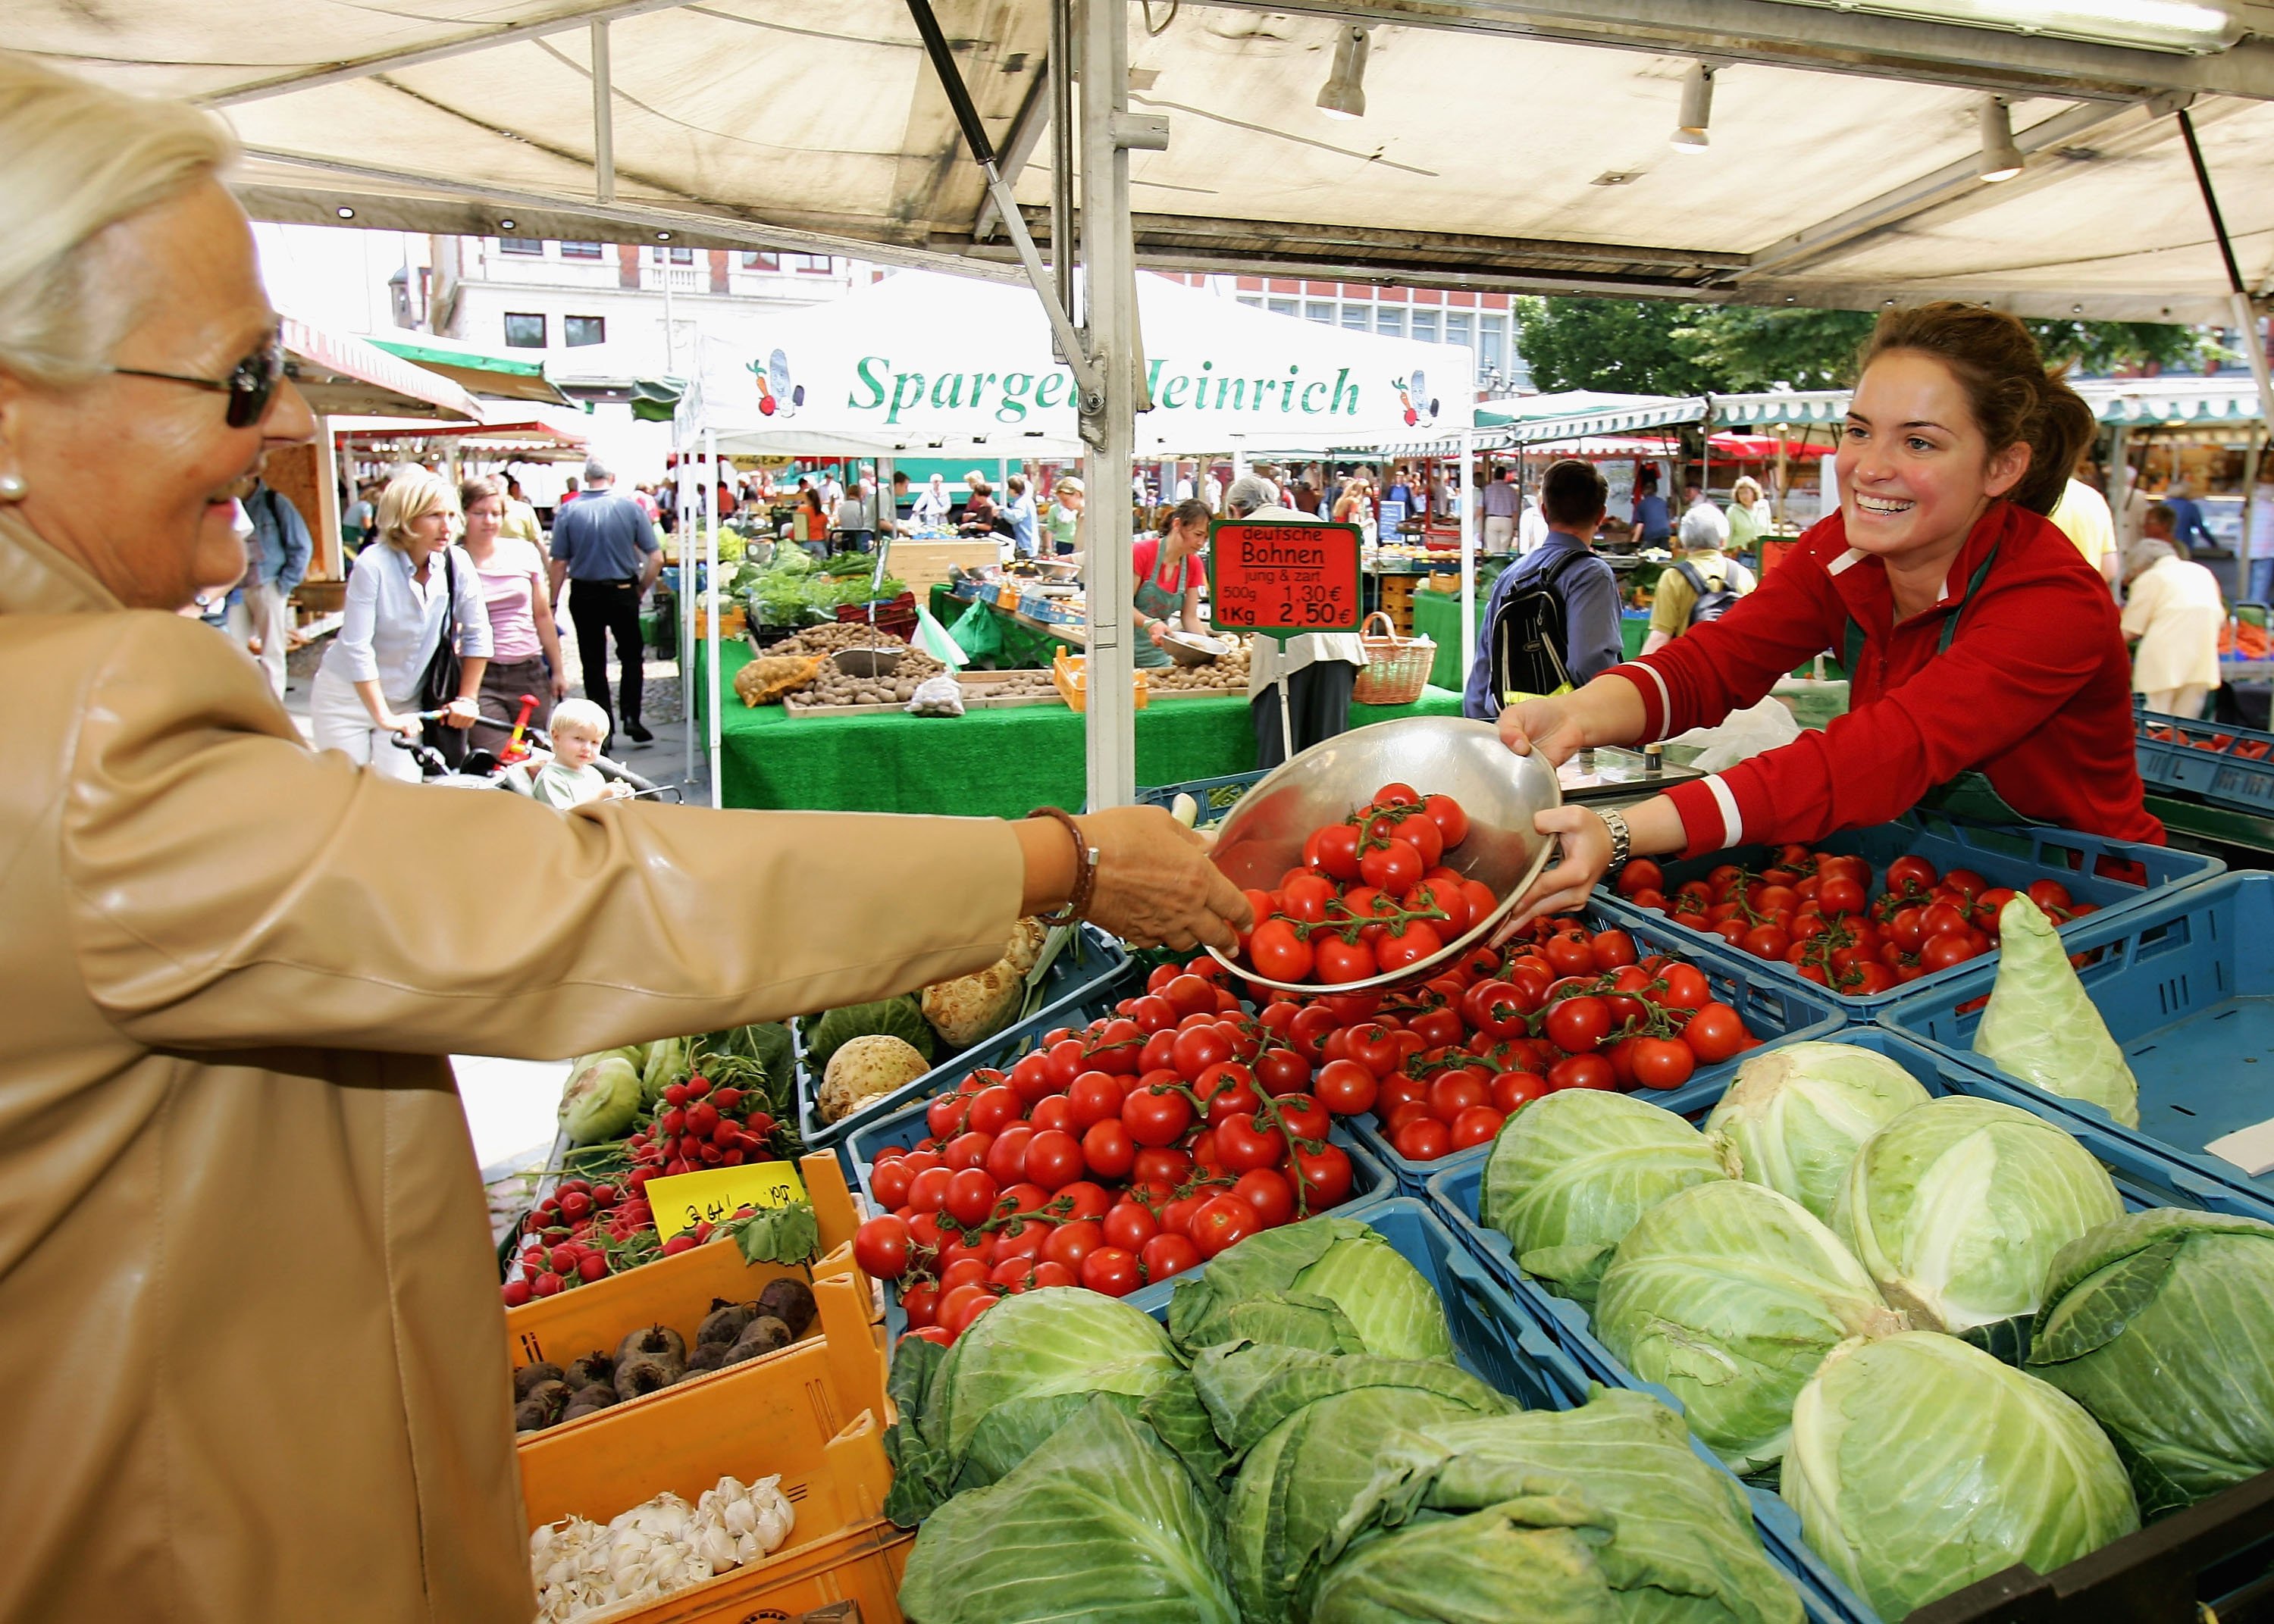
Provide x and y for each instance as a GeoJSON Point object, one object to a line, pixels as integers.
{"type": "Point", "coordinates": [12, 488]}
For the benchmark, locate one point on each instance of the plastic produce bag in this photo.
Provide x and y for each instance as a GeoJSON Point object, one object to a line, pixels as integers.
{"type": "Point", "coordinates": [932, 638]}
{"type": "Point", "coordinates": [940, 696]}
{"type": "Point", "coordinates": [1742, 734]}
{"type": "Point", "coordinates": [976, 633]}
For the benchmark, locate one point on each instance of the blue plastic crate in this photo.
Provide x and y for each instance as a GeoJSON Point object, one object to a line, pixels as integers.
{"type": "Point", "coordinates": [1078, 981]}
{"type": "Point", "coordinates": [1217, 796]}
{"type": "Point", "coordinates": [1370, 1182]}
{"type": "Point", "coordinates": [1776, 1009]}
{"type": "Point", "coordinates": [2226, 766]}
{"type": "Point", "coordinates": [2115, 877]}
{"type": "Point", "coordinates": [1500, 1342]}
{"type": "Point", "coordinates": [2187, 989]}
{"type": "Point", "coordinates": [2142, 1179]}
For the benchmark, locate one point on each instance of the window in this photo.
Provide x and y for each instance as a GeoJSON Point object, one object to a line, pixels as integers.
{"type": "Point", "coordinates": [1389, 322]}
{"type": "Point", "coordinates": [579, 331]}
{"type": "Point", "coordinates": [1280, 307]}
{"type": "Point", "coordinates": [1460, 328]}
{"type": "Point", "coordinates": [675, 256]}
{"type": "Point", "coordinates": [522, 245]}
{"type": "Point", "coordinates": [1357, 317]}
{"type": "Point", "coordinates": [581, 250]}
{"type": "Point", "coordinates": [755, 261]}
{"type": "Point", "coordinates": [524, 332]}
{"type": "Point", "coordinates": [1251, 301]}
{"type": "Point", "coordinates": [1425, 325]}
{"type": "Point", "coordinates": [812, 265]}
{"type": "Point", "coordinates": [1319, 310]}
{"type": "Point", "coordinates": [1492, 351]}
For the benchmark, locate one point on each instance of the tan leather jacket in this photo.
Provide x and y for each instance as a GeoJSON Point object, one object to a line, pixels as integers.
{"type": "Point", "coordinates": [252, 1361]}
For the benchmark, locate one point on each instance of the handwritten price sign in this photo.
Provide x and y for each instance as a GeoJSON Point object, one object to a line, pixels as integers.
{"type": "Point", "coordinates": [1284, 580]}
{"type": "Point", "coordinates": [686, 1199]}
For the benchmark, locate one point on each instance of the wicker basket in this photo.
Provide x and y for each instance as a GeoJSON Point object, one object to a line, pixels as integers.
{"type": "Point", "coordinates": [1396, 668]}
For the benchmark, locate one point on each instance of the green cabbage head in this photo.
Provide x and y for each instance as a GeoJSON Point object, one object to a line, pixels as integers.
{"type": "Point", "coordinates": [1920, 1464]}
{"type": "Point", "coordinates": [1796, 1116]}
{"type": "Point", "coordinates": [1333, 1270]}
{"type": "Point", "coordinates": [1569, 1174]}
{"type": "Point", "coordinates": [1729, 1296]}
{"type": "Point", "coordinates": [2041, 1026]}
{"type": "Point", "coordinates": [2162, 1324]}
{"type": "Point", "coordinates": [1957, 1207]}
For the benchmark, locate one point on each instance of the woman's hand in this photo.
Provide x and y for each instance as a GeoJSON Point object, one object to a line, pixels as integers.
{"type": "Point", "coordinates": [395, 722]}
{"type": "Point", "coordinates": [560, 684]}
{"type": "Point", "coordinates": [1156, 886]}
{"type": "Point", "coordinates": [1584, 857]}
{"type": "Point", "coordinates": [461, 712]}
{"type": "Point", "coordinates": [1158, 631]}
{"type": "Point", "coordinates": [1548, 725]}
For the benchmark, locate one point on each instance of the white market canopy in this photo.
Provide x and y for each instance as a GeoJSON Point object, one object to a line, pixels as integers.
{"type": "Point", "coordinates": [921, 364]}
{"type": "Point", "coordinates": [1518, 144]}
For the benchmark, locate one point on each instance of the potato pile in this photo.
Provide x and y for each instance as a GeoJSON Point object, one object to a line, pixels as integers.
{"type": "Point", "coordinates": [1014, 685]}
{"type": "Point", "coordinates": [834, 686]}
{"type": "Point", "coordinates": [825, 640]}
{"type": "Point", "coordinates": [1228, 675]}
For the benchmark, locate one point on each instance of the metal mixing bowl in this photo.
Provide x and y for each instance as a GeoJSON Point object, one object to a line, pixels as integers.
{"type": "Point", "coordinates": [1502, 792]}
{"type": "Point", "coordinates": [1187, 648]}
{"type": "Point", "coordinates": [868, 662]}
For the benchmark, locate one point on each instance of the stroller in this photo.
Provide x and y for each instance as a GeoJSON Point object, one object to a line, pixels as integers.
{"type": "Point", "coordinates": [484, 768]}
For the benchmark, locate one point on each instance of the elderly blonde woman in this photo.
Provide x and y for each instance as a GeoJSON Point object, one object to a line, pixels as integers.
{"type": "Point", "coordinates": [1747, 515]}
{"type": "Point", "coordinates": [254, 1360]}
{"type": "Point", "coordinates": [403, 597]}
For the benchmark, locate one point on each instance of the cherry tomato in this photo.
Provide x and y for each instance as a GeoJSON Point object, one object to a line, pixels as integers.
{"type": "Point", "coordinates": [881, 1247]}
{"type": "Point", "coordinates": [1156, 1120]}
{"type": "Point", "coordinates": [921, 1304]}
{"type": "Point", "coordinates": [1246, 1143]}
{"type": "Point", "coordinates": [1456, 1091]}
{"type": "Point", "coordinates": [960, 1307]}
{"type": "Point", "coordinates": [1325, 1176]}
{"type": "Point", "coordinates": [1396, 795]}
{"type": "Point", "coordinates": [1578, 1025]}
{"type": "Point", "coordinates": [1223, 1222]}
{"type": "Point", "coordinates": [970, 1199]}
{"type": "Point", "coordinates": [1157, 1165]}
{"type": "Point", "coordinates": [890, 1182]}
{"type": "Point", "coordinates": [1417, 941]}
{"type": "Point", "coordinates": [1281, 1070]}
{"type": "Point", "coordinates": [1766, 941]}
{"type": "Point", "coordinates": [1337, 852]}
{"type": "Point", "coordinates": [1686, 988]}
{"type": "Point", "coordinates": [1165, 1256]}
{"type": "Point", "coordinates": [1966, 882]}
{"type": "Point", "coordinates": [1110, 1271]}
{"type": "Point", "coordinates": [2050, 894]}
{"type": "Point", "coordinates": [1055, 1113]}
{"type": "Point", "coordinates": [1071, 1242]}
{"type": "Point", "coordinates": [1054, 1158]}
{"type": "Point", "coordinates": [1911, 873]}
{"type": "Point", "coordinates": [1640, 874]}
{"type": "Point", "coordinates": [1939, 952]}
{"type": "Point", "coordinates": [1512, 1090]}
{"type": "Point", "coordinates": [1425, 1138]}
{"type": "Point", "coordinates": [1266, 1190]}
{"type": "Point", "coordinates": [1345, 1088]}
{"type": "Point", "coordinates": [1477, 1126]}
{"type": "Point", "coordinates": [928, 1191]}
{"type": "Point", "coordinates": [1396, 867]}
{"type": "Point", "coordinates": [1662, 1063]}
{"type": "Point", "coordinates": [1581, 1071]}
{"type": "Point", "coordinates": [1452, 822]}
{"type": "Point", "coordinates": [1129, 1226]}
{"type": "Point", "coordinates": [1337, 961]}
{"type": "Point", "coordinates": [1199, 1048]}
{"type": "Point", "coordinates": [1714, 1033]}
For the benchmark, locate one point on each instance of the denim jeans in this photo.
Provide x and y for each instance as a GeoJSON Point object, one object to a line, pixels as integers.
{"type": "Point", "coordinates": [2261, 581]}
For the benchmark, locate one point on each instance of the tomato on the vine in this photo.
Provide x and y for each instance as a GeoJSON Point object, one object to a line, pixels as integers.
{"type": "Point", "coordinates": [881, 1247]}
{"type": "Point", "coordinates": [1425, 1138]}
{"type": "Point", "coordinates": [1110, 1271]}
{"type": "Point", "coordinates": [1345, 1088]}
{"type": "Point", "coordinates": [1165, 1256]}
{"type": "Point", "coordinates": [1578, 1025]}
{"type": "Point", "coordinates": [1714, 1033]}
{"type": "Point", "coordinates": [1223, 1222]}
{"type": "Point", "coordinates": [1662, 1063]}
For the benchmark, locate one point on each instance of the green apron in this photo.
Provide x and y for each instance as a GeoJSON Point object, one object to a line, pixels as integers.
{"type": "Point", "coordinates": [1155, 603]}
{"type": "Point", "coordinates": [1970, 795]}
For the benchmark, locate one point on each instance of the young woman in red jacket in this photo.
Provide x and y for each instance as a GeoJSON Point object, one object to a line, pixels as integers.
{"type": "Point", "coordinates": [1989, 675]}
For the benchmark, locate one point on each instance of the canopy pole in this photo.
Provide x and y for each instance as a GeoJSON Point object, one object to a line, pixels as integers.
{"type": "Point", "coordinates": [681, 464]}
{"type": "Point", "coordinates": [1468, 552]}
{"type": "Point", "coordinates": [603, 118]}
{"type": "Point", "coordinates": [710, 585]}
{"type": "Point", "coordinates": [2246, 322]}
{"type": "Point", "coordinates": [1108, 422]}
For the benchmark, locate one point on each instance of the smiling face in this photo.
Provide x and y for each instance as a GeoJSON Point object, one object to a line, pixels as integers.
{"type": "Point", "coordinates": [132, 477]}
{"type": "Point", "coordinates": [1915, 470]}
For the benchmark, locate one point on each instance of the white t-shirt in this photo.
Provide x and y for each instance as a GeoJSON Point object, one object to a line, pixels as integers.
{"type": "Point", "coordinates": [2173, 607]}
{"type": "Point", "coordinates": [2083, 516]}
{"type": "Point", "coordinates": [2261, 543]}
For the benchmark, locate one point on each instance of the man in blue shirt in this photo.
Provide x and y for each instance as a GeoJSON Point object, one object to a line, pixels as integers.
{"type": "Point", "coordinates": [276, 560]}
{"type": "Point", "coordinates": [1572, 495]}
{"type": "Point", "coordinates": [2189, 530]}
{"type": "Point", "coordinates": [606, 545]}
{"type": "Point", "coordinates": [1019, 512]}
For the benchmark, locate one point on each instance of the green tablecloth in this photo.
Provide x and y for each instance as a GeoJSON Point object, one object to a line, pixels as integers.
{"type": "Point", "coordinates": [1001, 763]}
{"type": "Point", "coordinates": [1023, 649]}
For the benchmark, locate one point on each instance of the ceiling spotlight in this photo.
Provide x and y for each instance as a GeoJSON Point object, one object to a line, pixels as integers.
{"type": "Point", "coordinates": [2002, 160]}
{"type": "Point", "coordinates": [344, 211]}
{"type": "Point", "coordinates": [1344, 94]}
{"type": "Point", "coordinates": [663, 237]}
{"type": "Point", "coordinates": [505, 225]}
{"type": "Point", "coordinates": [1697, 110]}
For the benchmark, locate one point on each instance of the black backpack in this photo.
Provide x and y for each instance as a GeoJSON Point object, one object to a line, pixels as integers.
{"type": "Point", "coordinates": [1530, 636]}
{"type": "Point", "coordinates": [1710, 605]}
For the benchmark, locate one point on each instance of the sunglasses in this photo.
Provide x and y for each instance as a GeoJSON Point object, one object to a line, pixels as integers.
{"type": "Point", "coordinates": [249, 385]}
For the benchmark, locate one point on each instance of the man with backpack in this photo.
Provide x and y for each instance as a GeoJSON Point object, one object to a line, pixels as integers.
{"type": "Point", "coordinates": [1551, 619]}
{"type": "Point", "coordinates": [1700, 585]}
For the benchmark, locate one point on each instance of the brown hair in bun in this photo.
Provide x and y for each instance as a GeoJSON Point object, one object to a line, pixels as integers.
{"type": "Point", "coordinates": [2017, 398]}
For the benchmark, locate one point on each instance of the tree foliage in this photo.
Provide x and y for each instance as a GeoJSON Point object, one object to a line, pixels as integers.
{"type": "Point", "coordinates": [1647, 347]}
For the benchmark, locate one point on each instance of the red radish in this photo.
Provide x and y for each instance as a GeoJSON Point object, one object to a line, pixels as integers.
{"type": "Point", "coordinates": [679, 1243]}
{"type": "Point", "coordinates": [516, 1292]}
{"type": "Point", "coordinates": [697, 1086]}
{"type": "Point", "coordinates": [592, 1266]}
{"type": "Point", "coordinates": [675, 1093]}
{"type": "Point", "coordinates": [547, 1284]}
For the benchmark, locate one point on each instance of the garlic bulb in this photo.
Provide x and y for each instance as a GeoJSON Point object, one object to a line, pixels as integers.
{"type": "Point", "coordinates": [656, 1548]}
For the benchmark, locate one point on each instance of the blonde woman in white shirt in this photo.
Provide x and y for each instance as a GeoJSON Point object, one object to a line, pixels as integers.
{"type": "Point", "coordinates": [2173, 613]}
{"type": "Point", "coordinates": [401, 595]}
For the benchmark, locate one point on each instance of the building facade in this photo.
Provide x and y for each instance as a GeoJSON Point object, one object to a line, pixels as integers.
{"type": "Point", "coordinates": [1482, 323]}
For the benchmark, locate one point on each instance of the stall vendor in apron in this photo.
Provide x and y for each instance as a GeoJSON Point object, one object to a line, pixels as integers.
{"type": "Point", "coordinates": [1988, 671]}
{"type": "Point", "coordinates": [1169, 573]}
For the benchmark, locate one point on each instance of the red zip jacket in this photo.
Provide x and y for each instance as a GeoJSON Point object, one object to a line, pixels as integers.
{"type": "Point", "coordinates": [2035, 689]}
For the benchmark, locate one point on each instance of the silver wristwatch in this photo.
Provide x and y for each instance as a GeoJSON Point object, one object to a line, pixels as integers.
{"type": "Point", "coordinates": [1621, 840]}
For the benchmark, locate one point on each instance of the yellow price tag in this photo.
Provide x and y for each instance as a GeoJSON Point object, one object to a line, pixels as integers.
{"type": "Point", "coordinates": [716, 1194]}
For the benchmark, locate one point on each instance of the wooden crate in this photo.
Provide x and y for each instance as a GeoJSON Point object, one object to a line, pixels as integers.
{"type": "Point", "coordinates": [924, 564]}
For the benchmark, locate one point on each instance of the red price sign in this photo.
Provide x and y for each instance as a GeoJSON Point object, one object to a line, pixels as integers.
{"type": "Point", "coordinates": [1284, 579]}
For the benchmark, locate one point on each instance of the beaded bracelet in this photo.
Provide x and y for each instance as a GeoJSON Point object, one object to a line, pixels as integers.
{"type": "Point", "coordinates": [1085, 857]}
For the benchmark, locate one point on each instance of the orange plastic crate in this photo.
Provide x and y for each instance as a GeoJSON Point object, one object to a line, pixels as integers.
{"type": "Point", "coordinates": [1069, 674]}
{"type": "Point", "coordinates": [784, 1414]}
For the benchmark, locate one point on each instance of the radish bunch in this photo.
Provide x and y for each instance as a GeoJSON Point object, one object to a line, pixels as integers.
{"type": "Point", "coordinates": [563, 1243]}
{"type": "Point", "coordinates": [705, 1125]}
